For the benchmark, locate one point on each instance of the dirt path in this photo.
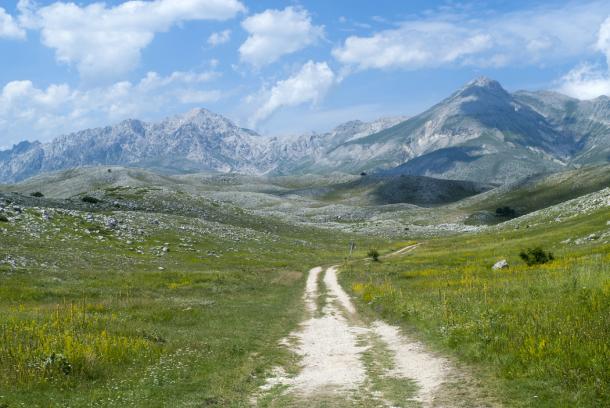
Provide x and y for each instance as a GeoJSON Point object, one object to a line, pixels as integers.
{"type": "Point", "coordinates": [346, 361]}
{"type": "Point", "coordinates": [401, 251]}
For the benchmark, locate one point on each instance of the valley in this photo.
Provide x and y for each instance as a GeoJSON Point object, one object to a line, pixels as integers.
{"type": "Point", "coordinates": [304, 204]}
{"type": "Point", "coordinates": [121, 285]}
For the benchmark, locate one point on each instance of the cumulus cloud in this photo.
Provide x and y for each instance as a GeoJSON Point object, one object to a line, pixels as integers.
{"type": "Point", "coordinates": [59, 109]}
{"type": "Point", "coordinates": [309, 84]}
{"type": "Point", "coordinates": [585, 82]}
{"type": "Point", "coordinates": [220, 37]}
{"type": "Point", "coordinates": [534, 36]}
{"type": "Point", "coordinates": [414, 45]}
{"type": "Point", "coordinates": [9, 27]}
{"type": "Point", "coordinates": [588, 81]}
{"type": "Point", "coordinates": [274, 33]}
{"type": "Point", "coordinates": [107, 41]}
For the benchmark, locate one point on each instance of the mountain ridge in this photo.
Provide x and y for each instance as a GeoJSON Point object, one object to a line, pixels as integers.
{"type": "Point", "coordinates": [480, 132]}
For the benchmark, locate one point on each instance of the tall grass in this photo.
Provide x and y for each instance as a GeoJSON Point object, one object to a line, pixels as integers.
{"type": "Point", "coordinates": [201, 330]}
{"type": "Point", "coordinates": [64, 344]}
{"type": "Point", "coordinates": [544, 330]}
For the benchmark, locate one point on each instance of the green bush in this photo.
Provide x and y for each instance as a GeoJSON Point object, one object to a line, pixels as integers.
{"type": "Point", "coordinates": [57, 363]}
{"type": "Point", "coordinates": [506, 212]}
{"type": "Point", "coordinates": [37, 194]}
{"type": "Point", "coordinates": [536, 256]}
{"type": "Point", "coordinates": [373, 253]}
{"type": "Point", "coordinates": [90, 200]}
{"type": "Point", "coordinates": [3, 218]}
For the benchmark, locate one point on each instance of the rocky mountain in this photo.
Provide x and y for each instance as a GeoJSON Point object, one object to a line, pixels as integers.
{"type": "Point", "coordinates": [480, 133]}
{"type": "Point", "coordinates": [198, 140]}
{"type": "Point", "coordinates": [587, 122]}
{"type": "Point", "coordinates": [304, 153]}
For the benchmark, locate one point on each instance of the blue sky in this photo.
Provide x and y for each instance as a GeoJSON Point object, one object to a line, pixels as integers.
{"type": "Point", "coordinates": [281, 67]}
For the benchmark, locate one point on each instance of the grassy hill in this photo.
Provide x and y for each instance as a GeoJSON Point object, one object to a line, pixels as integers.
{"type": "Point", "coordinates": [382, 189]}
{"type": "Point", "coordinates": [539, 192]}
{"type": "Point", "coordinates": [539, 332]}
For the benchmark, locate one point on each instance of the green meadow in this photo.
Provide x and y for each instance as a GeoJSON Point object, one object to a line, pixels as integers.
{"type": "Point", "coordinates": [539, 334]}
{"type": "Point", "coordinates": [163, 297]}
{"type": "Point", "coordinates": [90, 319]}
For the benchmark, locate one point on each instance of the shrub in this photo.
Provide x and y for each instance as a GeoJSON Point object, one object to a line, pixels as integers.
{"type": "Point", "coordinates": [57, 363]}
{"type": "Point", "coordinates": [3, 218]}
{"type": "Point", "coordinates": [90, 200]}
{"type": "Point", "coordinates": [506, 212]}
{"type": "Point", "coordinates": [373, 253]}
{"type": "Point", "coordinates": [536, 256]}
{"type": "Point", "coordinates": [37, 194]}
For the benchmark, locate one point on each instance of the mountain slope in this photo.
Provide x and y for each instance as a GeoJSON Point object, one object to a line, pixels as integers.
{"type": "Point", "coordinates": [478, 127]}
{"type": "Point", "coordinates": [587, 121]}
{"type": "Point", "coordinates": [480, 133]}
{"type": "Point", "coordinates": [378, 189]}
{"type": "Point", "coordinates": [193, 142]}
{"type": "Point", "coordinates": [304, 153]}
{"type": "Point", "coordinates": [539, 191]}
{"type": "Point", "coordinates": [197, 140]}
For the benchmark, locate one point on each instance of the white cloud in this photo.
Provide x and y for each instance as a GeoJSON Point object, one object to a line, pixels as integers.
{"type": "Point", "coordinates": [153, 81]}
{"type": "Point", "coordinates": [107, 41]}
{"type": "Point", "coordinates": [220, 37]}
{"type": "Point", "coordinates": [414, 45]}
{"type": "Point", "coordinates": [603, 39]}
{"type": "Point", "coordinates": [534, 36]}
{"type": "Point", "coordinates": [309, 84]}
{"type": "Point", "coordinates": [274, 33]}
{"type": "Point", "coordinates": [585, 82]}
{"type": "Point", "coordinates": [590, 81]}
{"type": "Point", "coordinates": [57, 109]}
{"type": "Point", "coordinates": [9, 27]}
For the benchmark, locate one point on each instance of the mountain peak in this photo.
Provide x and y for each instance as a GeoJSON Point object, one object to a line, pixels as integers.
{"type": "Point", "coordinates": [196, 114]}
{"type": "Point", "coordinates": [484, 82]}
{"type": "Point", "coordinates": [347, 125]}
{"type": "Point", "coordinates": [482, 87]}
{"type": "Point", "coordinates": [198, 117]}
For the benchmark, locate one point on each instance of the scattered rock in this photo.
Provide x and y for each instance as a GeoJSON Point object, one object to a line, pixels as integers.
{"type": "Point", "coordinates": [588, 238]}
{"type": "Point", "coordinates": [503, 264]}
{"type": "Point", "coordinates": [112, 223]}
